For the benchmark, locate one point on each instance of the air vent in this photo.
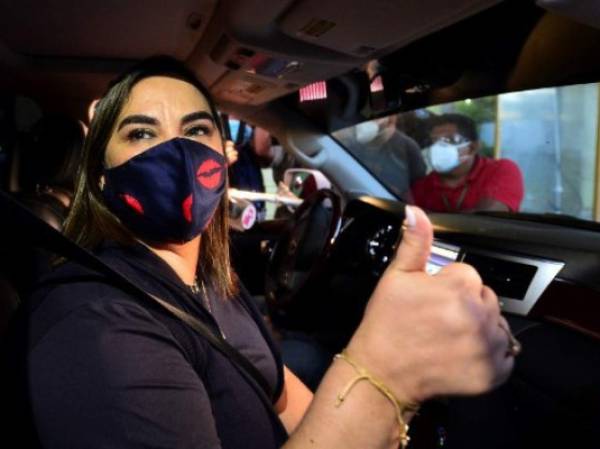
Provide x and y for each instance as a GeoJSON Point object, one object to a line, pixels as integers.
{"type": "Point", "coordinates": [518, 281]}
{"type": "Point", "coordinates": [509, 279]}
{"type": "Point", "coordinates": [316, 28]}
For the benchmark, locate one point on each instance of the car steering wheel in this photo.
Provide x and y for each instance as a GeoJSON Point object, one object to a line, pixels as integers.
{"type": "Point", "coordinates": [301, 249]}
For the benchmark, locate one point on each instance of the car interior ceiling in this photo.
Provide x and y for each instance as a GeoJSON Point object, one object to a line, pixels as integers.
{"type": "Point", "coordinates": [227, 43]}
{"type": "Point", "coordinates": [254, 55]}
{"type": "Point", "coordinates": [236, 47]}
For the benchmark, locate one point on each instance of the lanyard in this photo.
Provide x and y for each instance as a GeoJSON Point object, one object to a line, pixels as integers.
{"type": "Point", "coordinates": [460, 201]}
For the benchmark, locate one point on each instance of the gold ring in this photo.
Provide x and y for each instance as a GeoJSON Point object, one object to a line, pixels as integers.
{"type": "Point", "coordinates": [514, 346]}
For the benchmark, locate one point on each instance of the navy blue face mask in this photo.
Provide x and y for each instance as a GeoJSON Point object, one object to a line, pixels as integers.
{"type": "Point", "coordinates": [168, 193]}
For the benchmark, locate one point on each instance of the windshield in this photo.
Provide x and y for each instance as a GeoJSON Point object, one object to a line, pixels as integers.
{"type": "Point", "coordinates": [530, 152]}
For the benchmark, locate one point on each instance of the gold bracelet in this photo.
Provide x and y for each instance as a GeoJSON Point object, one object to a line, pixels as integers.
{"type": "Point", "coordinates": [399, 407]}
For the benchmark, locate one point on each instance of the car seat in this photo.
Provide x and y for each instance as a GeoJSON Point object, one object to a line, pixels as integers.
{"type": "Point", "coordinates": [48, 160]}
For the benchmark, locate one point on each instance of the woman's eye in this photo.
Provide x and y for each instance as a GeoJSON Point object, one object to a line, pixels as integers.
{"type": "Point", "coordinates": [198, 130]}
{"type": "Point", "coordinates": [140, 134]}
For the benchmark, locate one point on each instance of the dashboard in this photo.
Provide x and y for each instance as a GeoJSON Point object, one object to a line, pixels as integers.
{"type": "Point", "coordinates": [537, 270]}
{"type": "Point", "coordinates": [547, 278]}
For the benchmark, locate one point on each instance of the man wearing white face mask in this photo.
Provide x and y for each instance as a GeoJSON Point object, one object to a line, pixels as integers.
{"type": "Point", "coordinates": [390, 154]}
{"type": "Point", "coordinates": [462, 180]}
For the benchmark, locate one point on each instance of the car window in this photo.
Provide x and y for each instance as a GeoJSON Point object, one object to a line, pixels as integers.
{"type": "Point", "coordinates": [535, 151]}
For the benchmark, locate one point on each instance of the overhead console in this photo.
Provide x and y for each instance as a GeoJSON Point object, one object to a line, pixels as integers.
{"type": "Point", "coordinates": [517, 280]}
{"type": "Point", "coordinates": [256, 76]}
{"type": "Point", "coordinates": [266, 49]}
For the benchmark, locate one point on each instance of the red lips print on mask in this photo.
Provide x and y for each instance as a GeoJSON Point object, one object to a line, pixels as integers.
{"type": "Point", "coordinates": [133, 203]}
{"type": "Point", "coordinates": [210, 174]}
{"type": "Point", "coordinates": [187, 208]}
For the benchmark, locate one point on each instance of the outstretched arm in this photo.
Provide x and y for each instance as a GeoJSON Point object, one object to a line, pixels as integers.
{"type": "Point", "coordinates": [421, 336]}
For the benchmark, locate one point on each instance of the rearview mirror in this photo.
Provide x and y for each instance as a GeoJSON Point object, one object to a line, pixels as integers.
{"type": "Point", "coordinates": [304, 182]}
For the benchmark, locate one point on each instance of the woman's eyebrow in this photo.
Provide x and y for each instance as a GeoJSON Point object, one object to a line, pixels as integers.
{"type": "Point", "coordinates": [200, 115]}
{"type": "Point", "coordinates": [138, 119]}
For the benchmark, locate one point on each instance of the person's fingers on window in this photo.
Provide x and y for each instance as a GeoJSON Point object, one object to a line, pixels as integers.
{"type": "Point", "coordinates": [230, 152]}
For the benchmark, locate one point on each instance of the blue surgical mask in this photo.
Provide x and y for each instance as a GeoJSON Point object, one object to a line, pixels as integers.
{"type": "Point", "coordinates": [444, 156]}
{"type": "Point", "coordinates": [168, 193]}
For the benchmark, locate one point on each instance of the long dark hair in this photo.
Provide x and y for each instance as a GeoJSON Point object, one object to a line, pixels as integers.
{"type": "Point", "coordinates": [90, 222]}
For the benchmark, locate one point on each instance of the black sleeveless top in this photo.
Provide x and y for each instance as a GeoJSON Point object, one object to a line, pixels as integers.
{"type": "Point", "coordinates": [104, 369]}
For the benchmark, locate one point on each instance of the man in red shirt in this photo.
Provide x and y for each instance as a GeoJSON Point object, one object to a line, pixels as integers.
{"type": "Point", "coordinates": [462, 180]}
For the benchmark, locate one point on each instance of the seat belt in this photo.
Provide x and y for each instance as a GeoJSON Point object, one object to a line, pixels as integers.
{"type": "Point", "coordinates": [17, 220]}
{"type": "Point", "coordinates": [226, 126]}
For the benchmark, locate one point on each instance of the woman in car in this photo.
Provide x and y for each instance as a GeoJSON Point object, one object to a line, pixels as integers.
{"type": "Point", "coordinates": [105, 369]}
